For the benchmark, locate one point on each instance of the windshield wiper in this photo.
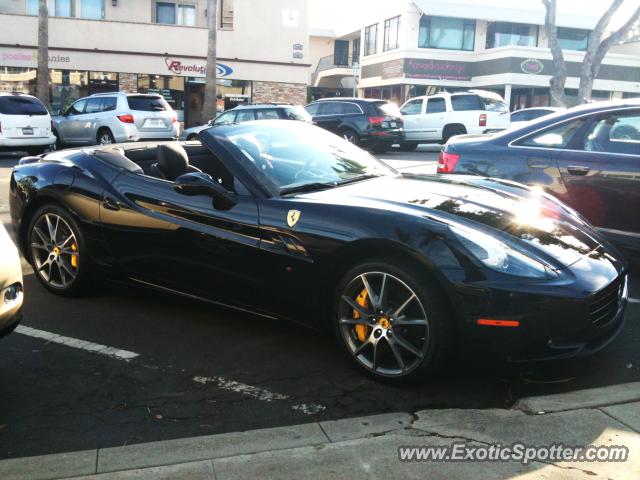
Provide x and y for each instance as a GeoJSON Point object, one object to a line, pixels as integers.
{"type": "Point", "coordinates": [358, 178]}
{"type": "Point", "coordinates": [308, 187]}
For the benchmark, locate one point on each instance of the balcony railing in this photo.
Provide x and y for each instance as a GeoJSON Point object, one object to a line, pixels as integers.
{"type": "Point", "coordinates": [334, 61]}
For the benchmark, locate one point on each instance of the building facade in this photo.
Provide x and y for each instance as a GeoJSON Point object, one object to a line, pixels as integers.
{"type": "Point", "coordinates": [425, 46]}
{"type": "Point", "coordinates": [159, 46]}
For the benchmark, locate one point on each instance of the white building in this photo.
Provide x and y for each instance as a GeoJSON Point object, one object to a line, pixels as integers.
{"type": "Point", "coordinates": [423, 46]}
{"type": "Point", "coordinates": [159, 46]}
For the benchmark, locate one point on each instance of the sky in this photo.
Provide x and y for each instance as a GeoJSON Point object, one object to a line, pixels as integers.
{"type": "Point", "coordinates": [344, 15]}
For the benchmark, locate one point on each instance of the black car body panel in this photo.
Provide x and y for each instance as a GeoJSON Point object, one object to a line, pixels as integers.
{"type": "Point", "coordinates": [248, 256]}
{"type": "Point", "coordinates": [596, 170]}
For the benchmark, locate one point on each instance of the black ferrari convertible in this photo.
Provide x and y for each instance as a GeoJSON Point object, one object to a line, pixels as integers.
{"type": "Point", "coordinates": [286, 220]}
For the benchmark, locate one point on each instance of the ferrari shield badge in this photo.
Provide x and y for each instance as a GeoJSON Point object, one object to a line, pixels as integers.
{"type": "Point", "coordinates": [292, 217]}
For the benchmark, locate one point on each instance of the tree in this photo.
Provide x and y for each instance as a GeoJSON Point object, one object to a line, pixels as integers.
{"type": "Point", "coordinates": [598, 47]}
{"type": "Point", "coordinates": [210, 98]}
{"type": "Point", "coordinates": [42, 75]}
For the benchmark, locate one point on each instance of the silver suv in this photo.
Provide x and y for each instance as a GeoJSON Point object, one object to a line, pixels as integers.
{"type": "Point", "coordinates": [116, 117]}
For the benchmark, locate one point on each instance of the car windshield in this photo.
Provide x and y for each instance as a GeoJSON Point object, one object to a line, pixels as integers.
{"type": "Point", "coordinates": [296, 156]}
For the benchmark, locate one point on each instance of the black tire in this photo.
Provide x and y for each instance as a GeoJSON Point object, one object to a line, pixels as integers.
{"type": "Point", "coordinates": [408, 146]}
{"type": "Point", "coordinates": [350, 136]}
{"type": "Point", "coordinates": [437, 345]}
{"type": "Point", "coordinates": [82, 282]}
{"type": "Point", "coordinates": [58, 145]}
{"type": "Point", "coordinates": [380, 148]}
{"type": "Point", "coordinates": [105, 137]}
{"type": "Point", "coordinates": [452, 130]}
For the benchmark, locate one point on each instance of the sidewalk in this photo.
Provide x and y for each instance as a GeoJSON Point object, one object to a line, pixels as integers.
{"type": "Point", "coordinates": [367, 447]}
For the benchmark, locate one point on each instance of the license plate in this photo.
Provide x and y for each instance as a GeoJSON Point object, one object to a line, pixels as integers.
{"type": "Point", "coordinates": [27, 131]}
{"type": "Point", "coordinates": [154, 123]}
{"type": "Point", "coordinates": [393, 124]}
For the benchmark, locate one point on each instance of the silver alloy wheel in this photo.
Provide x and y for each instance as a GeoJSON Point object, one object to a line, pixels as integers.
{"type": "Point", "coordinates": [105, 139]}
{"type": "Point", "coordinates": [350, 137]}
{"type": "Point", "coordinates": [388, 331]}
{"type": "Point", "coordinates": [54, 250]}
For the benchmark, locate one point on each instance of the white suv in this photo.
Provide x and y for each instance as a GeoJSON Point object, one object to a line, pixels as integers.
{"type": "Point", "coordinates": [25, 124]}
{"type": "Point", "coordinates": [117, 117]}
{"type": "Point", "coordinates": [437, 118]}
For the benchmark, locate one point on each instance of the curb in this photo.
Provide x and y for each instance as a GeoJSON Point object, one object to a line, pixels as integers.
{"type": "Point", "coordinates": [199, 452]}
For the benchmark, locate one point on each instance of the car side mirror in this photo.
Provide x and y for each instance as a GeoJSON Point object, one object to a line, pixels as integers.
{"type": "Point", "coordinates": [200, 183]}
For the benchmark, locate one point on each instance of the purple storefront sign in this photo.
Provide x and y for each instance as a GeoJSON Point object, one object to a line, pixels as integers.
{"type": "Point", "coordinates": [436, 69]}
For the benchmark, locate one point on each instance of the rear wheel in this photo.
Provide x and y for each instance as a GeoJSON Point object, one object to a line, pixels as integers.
{"type": "Point", "coordinates": [452, 130]}
{"type": "Point", "coordinates": [392, 321]}
{"type": "Point", "coordinates": [408, 146]}
{"type": "Point", "coordinates": [105, 137]}
{"type": "Point", "coordinates": [58, 252]}
{"type": "Point", "coordinates": [350, 136]}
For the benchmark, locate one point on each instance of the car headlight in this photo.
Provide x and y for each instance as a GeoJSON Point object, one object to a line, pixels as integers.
{"type": "Point", "coordinates": [500, 257]}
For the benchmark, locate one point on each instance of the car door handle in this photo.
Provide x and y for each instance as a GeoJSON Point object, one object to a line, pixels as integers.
{"type": "Point", "coordinates": [578, 170]}
{"type": "Point", "coordinates": [110, 204]}
{"type": "Point", "coordinates": [538, 162]}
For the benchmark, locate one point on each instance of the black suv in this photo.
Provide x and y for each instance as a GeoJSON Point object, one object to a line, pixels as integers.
{"type": "Point", "coordinates": [371, 123]}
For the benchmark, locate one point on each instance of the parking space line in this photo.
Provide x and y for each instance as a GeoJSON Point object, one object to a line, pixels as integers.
{"type": "Point", "coordinates": [257, 393]}
{"type": "Point", "coordinates": [112, 352]}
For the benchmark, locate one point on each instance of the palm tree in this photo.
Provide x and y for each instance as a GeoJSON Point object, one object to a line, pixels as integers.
{"type": "Point", "coordinates": [42, 76]}
{"type": "Point", "coordinates": [210, 100]}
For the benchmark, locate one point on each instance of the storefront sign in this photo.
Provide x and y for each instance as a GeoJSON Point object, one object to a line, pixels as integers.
{"type": "Point", "coordinates": [393, 69]}
{"type": "Point", "coordinates": [436, 69]}
{"type": "Point", "coordinates": [532, 66]}
{"type": "Point", "coordinates": [29, 57]}
{"type": "Point", "coordinates": [179, 68]}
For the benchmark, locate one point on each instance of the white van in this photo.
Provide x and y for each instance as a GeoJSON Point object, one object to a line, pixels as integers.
{"type": "Point", "coordinates": [25, 124]}
{"type": "Point", "coordinates": [437, 118]}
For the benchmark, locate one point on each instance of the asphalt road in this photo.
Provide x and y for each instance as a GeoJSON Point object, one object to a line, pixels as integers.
{"type": "Point", "coordinates": [201, 370]}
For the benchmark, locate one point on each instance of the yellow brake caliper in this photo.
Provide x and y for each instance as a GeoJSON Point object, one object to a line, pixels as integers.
{"type": "Point", "coordinates": [74, 257]}
{"type": "Point", "coordinates": [363, 301]}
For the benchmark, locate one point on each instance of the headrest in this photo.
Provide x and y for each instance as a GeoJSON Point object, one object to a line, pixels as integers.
{"type": "Point", "coordinates": [172, 159]}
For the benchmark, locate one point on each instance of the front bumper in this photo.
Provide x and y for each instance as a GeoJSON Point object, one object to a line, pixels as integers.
{"type": "Point", "coordinates": [125, 132]}
{"type": "Point", "coordinates": [554, 321]}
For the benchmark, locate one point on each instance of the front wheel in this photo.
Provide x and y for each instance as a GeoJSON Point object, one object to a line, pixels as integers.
{"type": "Point", "coordinates": [105, 137]}
{"type": "Point", "coordinates": [58, 252]}
{"type": "Point", "coordinates": [392, 321]}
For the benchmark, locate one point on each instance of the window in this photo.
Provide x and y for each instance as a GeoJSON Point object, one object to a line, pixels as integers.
{"type": "Point", "coordinates": [355, 50]}
{"type": "Point", "coordinates": [414, 107]}
{"type": "Point", "coordinates": [387, 108]}
{"type": "Point", "coordinates": [436, 105]}
{"type": "Point", "coordinates": [58, 8]}
{"type": "Point", "coordinates": [312, 108]}
{"type": "Point", "coordinates": [267, 114]}
{"type": "Point", "coordinates": [351, 109]}
{"type": "Point", "coordinates": [165, 13]}
{"type": "Point", "coordinates": [447, 33]}
{"type": "Point", "coordinates": [494, 105]}
{"type": "Point", "coordinates": [93, 9]}
{"type": "Point", "coordinates": [109, 104]}
{"type": "Point", "coordinates": [331, 108]}
{"type": "Point", "coordinates": [466, 102]}
{"type": "Point", "coordinates": [225, 119]}
{"type": "Point", "coordinates": [77, 108]}
{"type": "Point", "coordinates": [245, 116]}
{"type": "Point", "coordinates": [370, 39]}
{"type": "Point", "coordinates": [556, 137]}
{"type": "Point", "coordinates": [573, 38]}
{"type": "Point", "coordinates": [20, 105]}
{"type": "Point", "coordinates": [502, 34]}
{"type": "Point", "coordinates": [297, 113]}
{"type": "Point", "coordinates": [391, 33]}
{"type": "Point", "coordinates": [614, 134]}
{"type": "Point", "coordinates": [144, 103]}
{"type": "Point", "coordinates": [187, 15]}
{"type": "Point", "coordinates": [93, 105]}
{"type": "Point", "coordinates": [226, 14]}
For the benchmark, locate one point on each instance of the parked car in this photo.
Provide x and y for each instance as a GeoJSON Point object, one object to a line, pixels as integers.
{"type": "Point", "coordinates": [369, 123]}
{"type": "Point", "coordinates": [587, 156]}
{"type": "Point", "coordinates": [10, 284]}
{"type": "Point", "coordinates": [254, 111]}
{"type": "Point", "coordinates": [106, 118]}
{"type": "Point", "coordinates": [25, 124]}
{"type": "Point", "coordinates": [524, 116]}
{"type": "Point", "coordinates": [437, 118]}
{"type": "Point", "coordinates": [287, 220]}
